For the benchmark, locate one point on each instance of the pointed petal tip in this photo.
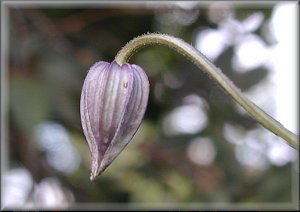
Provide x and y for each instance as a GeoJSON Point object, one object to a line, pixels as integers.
{"type": "Point", "coordinates": [98, 171]}
{"type": "Point", "coordinates": [94, 175]}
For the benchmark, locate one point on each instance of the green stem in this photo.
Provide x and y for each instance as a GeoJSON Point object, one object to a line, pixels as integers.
{"type": "Point", "coordinates": [215, 73]}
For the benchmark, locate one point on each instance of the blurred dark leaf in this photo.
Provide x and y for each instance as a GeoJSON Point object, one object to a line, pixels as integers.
{"type": "Point", "coordinates": [29, 105]}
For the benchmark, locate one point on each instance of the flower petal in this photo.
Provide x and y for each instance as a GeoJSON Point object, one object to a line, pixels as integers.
{"type": "Point", "coordinates": [113, 103]}
{"type": "Point", "coordinates": [131, 120]}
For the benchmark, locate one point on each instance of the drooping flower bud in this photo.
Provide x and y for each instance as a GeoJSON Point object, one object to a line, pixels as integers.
{"type": "Point", "coordinates": [112, 105]}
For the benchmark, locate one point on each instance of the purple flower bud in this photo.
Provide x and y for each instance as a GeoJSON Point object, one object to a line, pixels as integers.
{"type": "Point", "coordinates": [112, 105]}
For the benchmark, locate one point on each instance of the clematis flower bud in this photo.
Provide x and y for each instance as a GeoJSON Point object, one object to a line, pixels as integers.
{"type": "Point", "coordinates": [112, 105]}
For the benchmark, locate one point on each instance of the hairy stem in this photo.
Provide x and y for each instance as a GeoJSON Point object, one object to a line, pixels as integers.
{"type": "Point", "coordinates": [213, 72]}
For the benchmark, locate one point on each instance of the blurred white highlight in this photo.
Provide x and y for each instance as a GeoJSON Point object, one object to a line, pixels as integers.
{"type": "Point", "coordinates": [17, 184]}
{"type": "Point", "coordinates": [49, 193]}
{"type": "Point", "coordinates": [284, 62]}
{"type": "Point", "coordinates": [201, 151]}
{"type": "Point", "coordinates": [189, 118]}
{"type": "Point", "coordinates": [55, 141]}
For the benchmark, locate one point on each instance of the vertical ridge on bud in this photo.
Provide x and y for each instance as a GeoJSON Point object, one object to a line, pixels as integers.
{"type": "Point", "coordinates": [89, 94]}
{"type": "Point", "coordinates": [113, 102]}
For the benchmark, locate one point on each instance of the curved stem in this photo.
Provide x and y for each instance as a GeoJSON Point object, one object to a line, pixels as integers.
{"type": "Point", "coordinates": [215, 73]}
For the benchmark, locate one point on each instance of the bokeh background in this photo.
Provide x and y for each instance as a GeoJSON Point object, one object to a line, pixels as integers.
{"type": "Point", "coordinates": [195, 146]}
